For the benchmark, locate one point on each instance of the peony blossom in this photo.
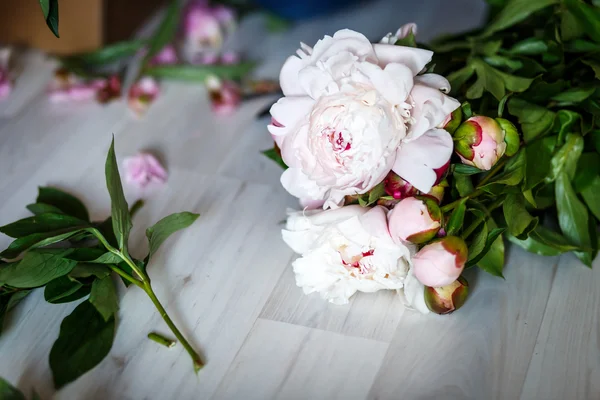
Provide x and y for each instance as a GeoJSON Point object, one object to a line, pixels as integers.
{"type": "Point", "coordinates": [204, 30]}
{"type": "Point", "coordinates": [225, 96]}
{"type": "Point", "coordinates": [401, 33]}
{"type": "Point", "coordinates": [167, 56]}
{"type": "Point", "coordinates": [67, 87]}
{"type": "Point", "coordinates": [344, 251]}
{"type": "Point", "coordinates": [110, 90]}
{"type": "Point", "coordinates": [449, 298]}
{"type": "Point", "coordinates": [142, 94]}
{"type": "Point", "coordinates": [6, 83]}
{"type": "Point", "coordinates": [354, 111]}
{"type": "Point", "coordinates": [413, 293]}
{"type": "Point", "coordinates": [415, 220]}
{"type": "Point", "coordinates": [143, 170]}
{"type": "Point", "coordinates": [440, 263]}
{"type": "Point", "coordinates": [480, 142]}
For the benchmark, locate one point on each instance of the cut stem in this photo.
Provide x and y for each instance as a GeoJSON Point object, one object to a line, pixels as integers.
{"type": "Point", "coordinates": [161, 340]}
{"type": "Point", "coordinates": [198, 364]}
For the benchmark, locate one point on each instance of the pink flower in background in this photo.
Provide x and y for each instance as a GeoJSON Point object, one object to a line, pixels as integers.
{"type": "Point", "coordinates": [142, 94]}
{"type": "Point", "coordinates": [440, 263]}
{"type": "Point", "coordinates": [225, 96]}
{"type": "Point", "coordinates": [5, 79]}
{"type": "Point", "coordinates": [143, 170]}
{"type": "Point", "coordinates": [353, 111]}
{"type": "Point", "coordinates": [66, 87]}
{"type": "Point", "coordinates": [205, 29]}
{"type": "Point", "coordinates": [110, 90]}
{"type": "Point", "coordinates": [166, 56]}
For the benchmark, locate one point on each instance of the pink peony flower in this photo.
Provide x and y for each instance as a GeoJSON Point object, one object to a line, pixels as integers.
{"type": "Point", "coordinates": [440, 263]}
{"type": "Point", "coordinates": [353, 111]}
{"type": "Point", "coordinates": [205, 29]}
{"type": "Point", "coordinates": [480, 142]}
{"type": "Point", "coordinates": [142, 94]}
{"type": "Point", "coordinates": [110, 90]}
{"type": "Point", "coordinates": [415, 220]}
{"type": "Point", "coordinates": [225, 96]}
{"type": "Point", "coordinates": [66, 87]}
{"type": "Point", "coordinates": [143, 170]}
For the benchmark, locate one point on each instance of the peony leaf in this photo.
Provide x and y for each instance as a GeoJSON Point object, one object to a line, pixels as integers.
{"type": "Point", "coordinates": [84, 340]}
{"type": "Point", "coordinates": [120, 217]}
{"type": "Point", "coordinates": [516, 11]}
{"type": "Point", "coordinates": [37, 268]}
{"type": "Point", "coordinates": [587, 16]}
{"type": "Point", "coordinates": [492, 260]}
{"type": "Point", "coordinates": [542, 150]}
{"type": "Point", "coordinates": [535, 120]}
{"type": "Point", "coordinates": [591, 196]}
{"type": "Point", "coordinates": [455, 222]}
{"type": "Point", "coordinates": [164, 228]}
{"type": "Point", "coordinates": [199, 73]}
{"type": "Point", "coordinates": [62, 289]}
{"type": "Point", "coordinates": [65, 202]}
{"type": "Point", "coordinates": [565, 159]}
{"type": "Point", "coordinates": [50, 10]}
{"type": "Point", "coordinates": [166, 30]}
{"type": "Point", "coordinates": [9, 392]}
{"type": "Point", "coordinates": [519, 221]}
{"type": "Point", "coordinates": [588, 169]}
{"type": "Point", "coordinates": [43, 223]}
{"type": "Point", "coordinates": [104, 297]}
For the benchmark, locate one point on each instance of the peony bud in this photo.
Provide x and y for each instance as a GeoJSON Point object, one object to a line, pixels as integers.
{"type": "Point", "coordinates": [397, 187]}
{"type": "Point", "coordinates": [415, 219]}
{"type": "Point", "coordinates": [437, 192]}
{"type": "Point", "coordinates": [479, 141]}
{"type": "Point", "coordinates": [452, 121]}
{"type": "Point", "coordinates": [441, 262]}
{"type": "Point", "coordinates": [449, 298]}
{"type": "Point", "coordinates": [511, 136]}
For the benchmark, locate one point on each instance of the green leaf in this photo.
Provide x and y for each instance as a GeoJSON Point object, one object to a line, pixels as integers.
{"type": "Point", "coordinates": [552, 239]}
{"type": "Point", "coordinates": [35, 240]}
{"type": "Point", "coordinates": [464, 169]}
{"type": "Point", "coordinates": [455, 222]}
{"type": "Point", "coordinates": [65, 202]}
{"type": "Point", "coordinates": [275, 155]}
{"type": "Point", "coordinates": [37, 268]}
{"type": "Point", "coordinates": [477, 245]}
{"type": "Point", "coordinates": [570, 28]}
{"type": "Point", "coordinates": [574, 95]}
{"type": "Point", "coordinates": [45, 5]}
{"type": "Point", "coordinates": [514, 12]}
{"type": "Point", "coordinates": [52, 16]}
{"type": "Point", "coordinates": [492, 260]}
{"type": "Point", "coordinates": [458, 78]}
{"type": "Point", "coordinates": [535, 120]}
{"type": "Point", "coordinates": [121, 220]}
{"type": "Point", "coordinates": [541, 151]}
{"type": "Point", "coordinates": [275, 23]}
{"type": "Point", "coordinates": [573, 217]}
{"type": "Point", "coordinates": [564, 121]}
{"type": "Point", "coordinates": [85, 339]}
{"type": "Point", "coordinates": [595, 66]}
{"type": "Point", "coordinates": [9, 392]}
{"type": "Point", "coordinates": [529, 47]}
{"type": "Point", "coordinates": [107, 258]}
{"type": "Point", "coordinates": [504, 62]}
{"type": "Point", "coordinates": [513, 173]}
{"type": "Point", "coordinates": [519, 221]}
{"type": "Point", "coordinates": [591, 196]}
{"type": "Point", "coordinates": [489, 242]}
{"type": "Point", "coordinates": [84, 270]}
{"type": "Point", "coordinates": [534, 246]}
{"type": "Point", "coordinates": [588, 169]}
{"type": "Point", "coordinates": [60, 288]}
{"type": "Point", "coordinates": [104, 297]}
{"type": "Point", "coordinates": [581, 46]}
{"type": "Point", "coordinates": [199, 73]}
{"type": "Point", "coordinates": [565, 159]}
{"type": "Point", "coordinates": [166, 30]}
{"type": "Point", "coordinates": [41, 208]}
{"type": "Point", "coordinates": [463, 184]}
{"type": "Point", "coordinates": [164, 228]}
{"type": "Point", "coordinates": [588, 17]}
{"type": "Point", "coordinates": [106, 55]}
{"type": "Point", "coordinates": [42, 223]}
{"type": "Point", "coordinates": [85, 254]}
{"type": "Point", "coordinates": [375, 193]}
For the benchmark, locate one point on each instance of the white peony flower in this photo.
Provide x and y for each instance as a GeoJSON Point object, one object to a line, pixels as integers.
{"type": "Point", "coordinates": [344, 251]}
{"type": "Point", "coordinates": [352, 112]}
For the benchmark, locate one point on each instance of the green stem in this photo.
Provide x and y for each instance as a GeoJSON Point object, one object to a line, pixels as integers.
{"type": "Point", "coordinates": [126, 276]}
{"type": "Point", "coordinates": [452, 206]}
{"type": "Point", "coordinates": [471, 228]}
{"type": "Point", "coordinates": [143, 276]}
{"type": "Point", "coordinates": [161, 340]}
{"type": "Point", "coordinates": [493, 172]}
{"type": "Point", "coordinates": [198, 364]}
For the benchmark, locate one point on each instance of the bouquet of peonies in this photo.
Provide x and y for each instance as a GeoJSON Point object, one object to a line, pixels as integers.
{"type": "Point", "coordinates": [407, 177]}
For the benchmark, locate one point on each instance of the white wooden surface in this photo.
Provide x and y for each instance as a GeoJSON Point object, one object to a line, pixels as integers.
{"type": "Point", "coordinates": [227, 280]}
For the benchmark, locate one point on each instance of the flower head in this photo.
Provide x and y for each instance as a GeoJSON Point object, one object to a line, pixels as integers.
{"type": "Point", "coordinates": [353, 112]}
{"type": "Point", "coordinates": [344, 251]}
{"type": "Point", "coordinates": [449, 298]}
{"type": "Point", "coordinates": [440, 263]}
{"type": "Point", "coordinates": [143, 170]}
{"type": "Point", "coordinates": [67, 86]}
{"type": "Point", "coordinates": [142, 94]}
{"type": "Point", "coordinates": [225, 96]}
{"type": "Point", "coordinates": [167, 56]}
{"type": "Point", "coordinates": [110, 90]}
{"type": "Point", "coordinates": [415, 219]}
{"type": "Point", "coordinates": [480, 142]}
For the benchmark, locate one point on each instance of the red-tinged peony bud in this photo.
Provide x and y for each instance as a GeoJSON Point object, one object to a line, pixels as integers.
{"type": "Point", "coordinates": [511, 136]}
{"type": "Point", "coordinates": [479, 141]}
{"type": "Point", "coordinates": [452, 121]}
{"type": "Point", "coordinates": [415, 219]}
{"type": "Point", "coordinates": [449, 298]}
{"type": "Point", "coordinates": [437, 192]}
{"type": "Point", "coordinates": [110, 91]}
{"type": "Point", "coordinates": [397, 187]}
{"type": "Point", "coordinates": [441, 262]}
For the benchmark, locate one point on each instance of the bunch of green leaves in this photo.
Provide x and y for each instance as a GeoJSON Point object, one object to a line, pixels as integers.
{"type": "Point", "coordinates": [537, 64]}
{"type": "Point", "coordinates": [60, 250]}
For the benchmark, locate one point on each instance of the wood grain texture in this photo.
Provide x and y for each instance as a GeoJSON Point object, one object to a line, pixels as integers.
{"type": "Point", "coordinates": [227, 280]}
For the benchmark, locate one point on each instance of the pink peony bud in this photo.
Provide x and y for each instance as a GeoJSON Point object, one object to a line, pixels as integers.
{"type": "Point", "coordinates": [452, 121]}
{"type": "Point", "coordinates": [143, 170]}
{"type": "Point", "coordinates": [225, 96]}
{"type": "Point", "coordinates": [437, 192]}
{"type": "Point", "coordinates": [480, 142]}
{"type": "Point", "coordinates": [449, 298]}
{"type": "Point", "coordinates": [397, 187]}
{"type": "Point", "coordinates": [142, 94]}
{"type": "Point", "coordinates": [111, 90]}
{"type": "Point", "coordinates": [440, 263]}
{"type": "Point", "coordinates": [166, 56]}
{"type": "Point", "coordinates": [415, 219]}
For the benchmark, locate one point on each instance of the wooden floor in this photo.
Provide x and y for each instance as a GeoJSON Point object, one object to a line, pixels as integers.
{"type": "Point", "coordinates": [227, 280]}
